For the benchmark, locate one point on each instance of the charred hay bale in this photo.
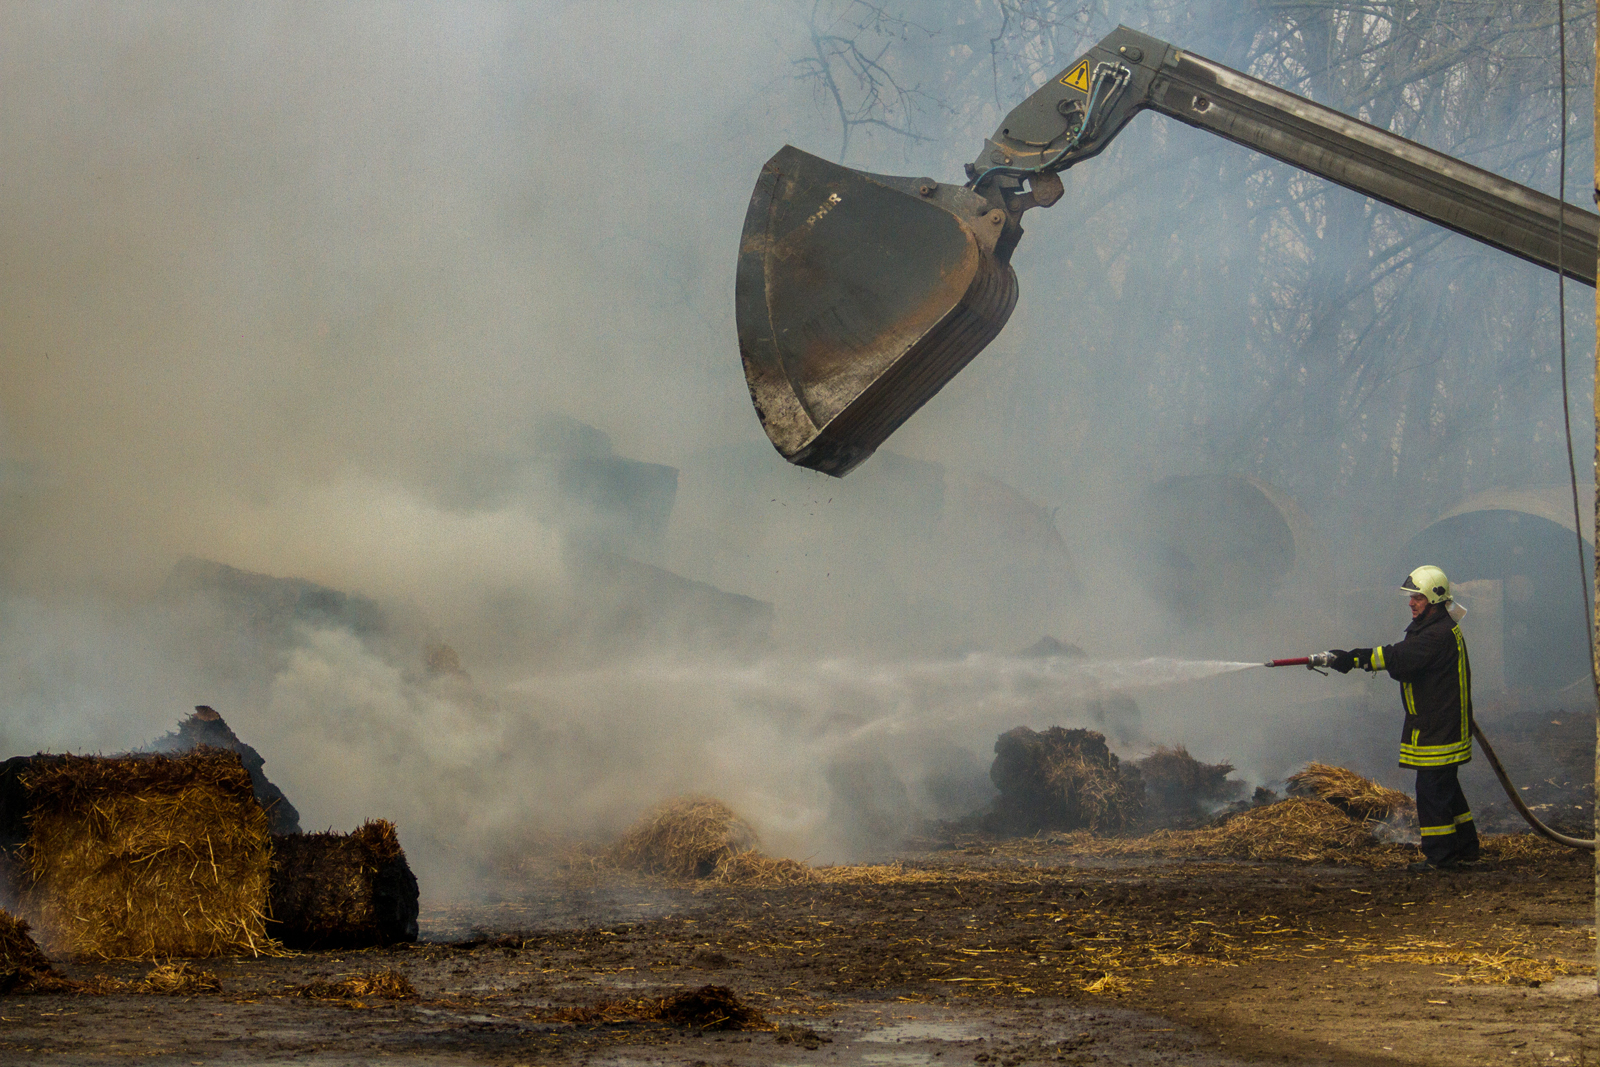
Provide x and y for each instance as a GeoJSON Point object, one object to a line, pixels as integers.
{"type": "Point", "coordinates": [687, 837]}
{"type": "Point", "coordinates": [1358, 797]}
{"type": "Point", "coordinates": [23, 968]}
{"type": "Point", "coordinates": [144, 856]}
{"type": "Point", "coordinates": [332, 890]}
{"type": "Point", "coordinates": [1180, 789]}
{"type": "Point", "coordinates": [1062, 779]}
{"type": "Point", "coordinates": [14, 801]}
{"type": "Point", "coordinates": [206, 729]}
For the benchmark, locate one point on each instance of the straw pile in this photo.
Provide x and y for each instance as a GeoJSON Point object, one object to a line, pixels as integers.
{"type": "Point", "coordinates": [753, 867]}
{"type": "Point", "coordinates": [138, 857]}
{"type": "Point", "coordinates": [23, 968]}
{"type": "Point", "coordinates": [1179, 788]}
{"type": "Point", "coordinates": [687, 837]}
{"type": "Point", "coordinates": [390, 985]}
{"type": "Point", "coordinates": [1512, 966]}
{"type": "Point", "coordinates": [169, 979]}
{"type": "Point", "coordinates": [1295, 829]}
{"type": "Point", "coordinates": [1298, 830]}
{"type": "Point", "coordinates": [333, 890]}
{"type": "Point", "coordinates": [1358, 797]}
{"type": "Point", "coordinates": [1062, 780]}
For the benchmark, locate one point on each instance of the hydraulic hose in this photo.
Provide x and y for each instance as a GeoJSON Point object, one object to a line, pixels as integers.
{"type": "Point", "coordinates": [1516, 799]}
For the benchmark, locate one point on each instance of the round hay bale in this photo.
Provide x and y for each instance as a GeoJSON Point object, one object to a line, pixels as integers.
{"type": "Point", "coordinates": [688, 837]}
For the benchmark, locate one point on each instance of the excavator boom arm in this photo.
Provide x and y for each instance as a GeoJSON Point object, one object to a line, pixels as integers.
{"type": "Point", "coordinates": [1155, 75]}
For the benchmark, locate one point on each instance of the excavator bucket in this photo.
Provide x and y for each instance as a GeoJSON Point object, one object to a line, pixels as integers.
{"type": "Point", "coordinates": [858, 297]}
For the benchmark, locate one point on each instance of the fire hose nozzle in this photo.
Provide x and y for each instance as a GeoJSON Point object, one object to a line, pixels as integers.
{"type": "Point", "coordinates": [1315, 662]}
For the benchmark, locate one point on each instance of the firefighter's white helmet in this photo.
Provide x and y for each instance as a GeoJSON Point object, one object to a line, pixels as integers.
{"type": "Point", "coordinates": [1428, 580]}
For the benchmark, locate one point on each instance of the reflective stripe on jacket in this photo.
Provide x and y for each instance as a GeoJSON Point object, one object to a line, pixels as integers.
{"type": "Point", "coordinates": [1435, 679]}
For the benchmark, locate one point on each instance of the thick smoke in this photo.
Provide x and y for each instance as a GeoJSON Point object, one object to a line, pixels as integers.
{"type": "Point", "coordinates": [430, 309]}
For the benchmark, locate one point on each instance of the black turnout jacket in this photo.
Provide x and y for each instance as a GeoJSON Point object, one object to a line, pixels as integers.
{"type": "Point", "coordinates": [1435, 678]}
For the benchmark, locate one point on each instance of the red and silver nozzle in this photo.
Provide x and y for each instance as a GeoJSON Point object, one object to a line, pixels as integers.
{"type": "Point", "coordinates": [1315, 661]}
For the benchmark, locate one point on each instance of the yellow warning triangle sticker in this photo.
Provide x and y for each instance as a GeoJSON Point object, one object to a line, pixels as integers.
{"type": "Point", "coordinates": [1078, 77]}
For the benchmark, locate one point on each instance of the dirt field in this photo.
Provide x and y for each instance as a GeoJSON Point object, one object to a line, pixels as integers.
{"type": "Point", "coordinates": [1004, 955]}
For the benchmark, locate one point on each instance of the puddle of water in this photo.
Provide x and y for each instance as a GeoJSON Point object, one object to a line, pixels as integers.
{"type": "Point", "coordinates": [1574, 987]}
{"type": "Point", "coordinates": [923, 1030]}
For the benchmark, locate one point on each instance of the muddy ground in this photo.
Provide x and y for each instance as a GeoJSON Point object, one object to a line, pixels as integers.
{"type": "Point", "coordinates": [991, 954]}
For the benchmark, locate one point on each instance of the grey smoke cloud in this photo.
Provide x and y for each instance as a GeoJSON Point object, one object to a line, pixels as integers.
{"type": "Point", "coordinates": [289, 287]}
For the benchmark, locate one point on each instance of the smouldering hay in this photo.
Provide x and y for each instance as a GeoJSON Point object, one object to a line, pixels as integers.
{"type": "Point", "coordinates": [1297, 829]}
{"type": "Point", "coordinates": [390, 985]}
{"type": "Point", "coordinates": [699, 837]}
{"type": "Point", "coordinates": [751, 867]}
{"type": "Point", "coordinates": [1293, 829]}
{"type": "Point", "coordinates": [334, 890]}
{"type": "Point", "coordinates": [23, 968]}
{"type": "Point", "coordinates": [688, 837]}
{"type": "Point", "coordinates": [1062, 780]}
{"type": "Point", "coordinates": [139, 857]}
{"type": "Point", "coordinates": [1178, 787]}
{"type": "Point", "coordinates": [1359, 797]}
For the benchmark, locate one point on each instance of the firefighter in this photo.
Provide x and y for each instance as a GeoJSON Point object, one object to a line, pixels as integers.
{"type": "Point", "coordinates": [1435, 677]}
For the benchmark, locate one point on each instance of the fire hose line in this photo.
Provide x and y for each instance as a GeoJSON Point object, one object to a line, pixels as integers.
{"type": "Point", "coordinates": [1516, 799]}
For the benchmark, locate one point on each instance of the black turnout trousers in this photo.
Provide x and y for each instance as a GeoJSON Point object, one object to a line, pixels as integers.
{"type": "Point", "coordinates": [1448, 832]}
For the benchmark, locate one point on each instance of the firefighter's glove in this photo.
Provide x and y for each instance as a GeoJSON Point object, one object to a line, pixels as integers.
{"type": "Point", "coordinates": [1340, 660]}
{"type": "Point", "coordinates": [1362, 658]}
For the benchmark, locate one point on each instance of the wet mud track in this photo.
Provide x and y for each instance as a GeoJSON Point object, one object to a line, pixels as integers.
{"type": "Point", "coordinates": [1001, 959]}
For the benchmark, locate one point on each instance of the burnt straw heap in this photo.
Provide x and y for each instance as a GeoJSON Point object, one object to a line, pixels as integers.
{"type": "Point", "coordinates": [1062, 779]}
